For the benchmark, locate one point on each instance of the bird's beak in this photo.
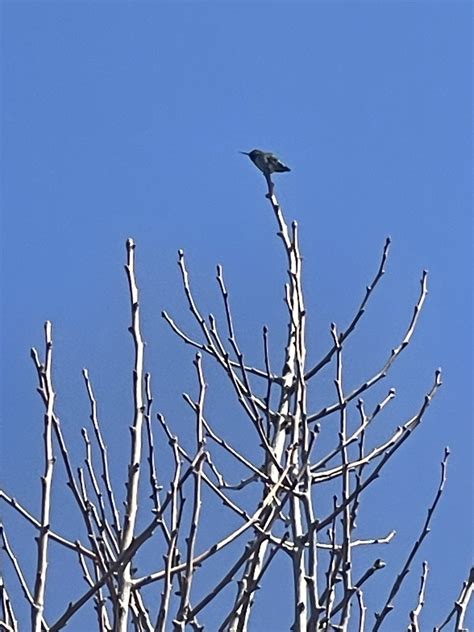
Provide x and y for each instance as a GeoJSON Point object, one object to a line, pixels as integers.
{"type": "Point", "coordinates": [246, 153]}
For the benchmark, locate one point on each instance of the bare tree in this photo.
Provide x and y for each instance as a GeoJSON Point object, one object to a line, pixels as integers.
{"type": "Point", "coordinates": [300, 499]}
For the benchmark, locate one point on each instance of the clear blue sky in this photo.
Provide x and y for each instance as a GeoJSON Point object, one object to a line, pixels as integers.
{"type": "Point", "coordinates": [124, 120]}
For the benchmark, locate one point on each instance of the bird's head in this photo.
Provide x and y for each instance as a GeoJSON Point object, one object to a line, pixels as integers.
{"type": "Point", "coordinates": [252, 153]}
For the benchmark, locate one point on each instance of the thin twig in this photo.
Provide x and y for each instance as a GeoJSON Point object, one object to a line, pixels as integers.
{"type": "Point", "coordinates": [10, 622]}
{"type": "Point", "coordinates": [358, 432]}
{"type": "Point", "coordinates": [185, 602]}
{"type": "Point", "coordinates": [360, 312]}
{"type": "Point", "coordinates": [346, 551]}
{"type": "Point", "coordinates": [16, 565]}
{"type": "Point", "coordinates": [395, 353]}
{"type": "Point", "coordinates": [399, 438]}
{"type": "Point", "coordinates": [103, 452]}
{"type": "Point", "coordinates": [152, 473]}
{"type": "Point", "coordinates": [415, 613]}
{"type": "Point", "coordinates": [460, 607]}
{"type": "Point", "coordinates": [46, 383]}
{"type": "Point", "coordinates": [177, 504]}
{"type": "Point", "coordinates": [122, 560]}
{"type": "Point", "coordinates": [74, 546]}
{"type": "Point", "coordinates": [388, 607]}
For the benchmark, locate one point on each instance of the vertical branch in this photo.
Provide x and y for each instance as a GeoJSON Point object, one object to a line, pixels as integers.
{"type": "Point", "coordinates": [288, 377]}
{"type": "Point", "coordinates": [266, 354]}
{"type": "Point", "coordinates": [255, 585]}
{"type": "Point", "coordinates": [177, 503]}
{"type": "Point", "coordinates": [415, 613]}
{"type": "Point", "coordinates": [99, 602]}
{"type": "Point", "coordinates": [225, 296]}
{"type": "Point", "coordinates": [244, 598]}
{"type": "Point", "coordinates": [71, 482]}
{"type": "Point", "coordinates": [153, 478]}
{"type": "Point", "coordinates": [9, 620]}
{"type": "Point", "coordinates": [300, 438]}
{"type": "Point", "coordinates": [45, 381]}
{"type": "Point", "coordinates": [346, 492]}
{"type": "Point", "coordinates": [100, 516]}
{"type": "Point", "coordinates": [100, 545]}
{"type": "Point", "coordinates": [328, 595]}
{"type": "Point", "coordinates": [106, 542]}
{"type": "Point", "coordinates": [362, 610]}
{"type": "Point", "coordinates": [103, 452]}
{"type": "Point", "coordinates": [463, 602]}
{"type": "Point", "coordinates": [185, 603]}
{"type": "Point", "coordinates": [125, 577]}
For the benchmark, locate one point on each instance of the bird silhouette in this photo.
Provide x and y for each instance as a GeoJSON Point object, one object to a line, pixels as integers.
{"type": "Point", "coordinates": [267, 162]}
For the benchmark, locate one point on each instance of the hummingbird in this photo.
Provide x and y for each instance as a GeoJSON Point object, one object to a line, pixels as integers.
{"type": "Point", "coordinates": [267, 163]}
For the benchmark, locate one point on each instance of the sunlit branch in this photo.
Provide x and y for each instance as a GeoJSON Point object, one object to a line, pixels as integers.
{"type": "Point", "coordinates": [388, 606]}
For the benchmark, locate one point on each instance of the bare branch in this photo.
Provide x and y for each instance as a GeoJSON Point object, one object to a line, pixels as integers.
{"type": "Point", "coordinates": [415, 613]}
{"type": "Point", "coordinates": [99, 515]}
{"type": "Point", "coordinates": [346, 551]}
{"type": "Point", "coordinates": [347, 596]}
{"type": "Point", "coordinates": [10, 622]}
{"type": "Point", "coordinates": [328, 410]}
{"type": "Point", "coordinates": [279, 507]}
{"type": "Point", "coordinates": [205, 348]}
{"type": "Point", "coordinates": [16, 565]}
{"type": "Point", "coordinates": [46, 384]}
{"type": "Point", "coordinates": [362, 610]}
{"type": "Point", "coordinates": [75, 546]}
{"type": "Point", "coordinates": [388, 607]}
{"type": "Point", "coordinates": [185, 604]}
{"type": "Point", "coordinates": [172, 556]}
{"type": "Point", "coordinates": [395, 443]}
{"type": "Point", "coordinates": [153, 477]}
{"type": "Point", "coordinates": [461, 604]}
{"type": "Point", "coordinates": [103, 451]}
{"type": "Point", "coordinates": [125, 578]}
{"type": "Point", "coordinates": [390, 446]}
{"type": "Point", "coordinates": [122, 560]}
{"type": "Point", "coordinates": [215, 548]}
{"type": "Point", "coordinates": [357, 433]}
{"type": "Point", "coordinates": [251, 588]}
{"type": "Point", "coordinates": [360, 312]}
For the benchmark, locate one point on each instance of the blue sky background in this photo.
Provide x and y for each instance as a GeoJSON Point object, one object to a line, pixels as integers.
{"type": "Point", "coordinates": [124, 120]}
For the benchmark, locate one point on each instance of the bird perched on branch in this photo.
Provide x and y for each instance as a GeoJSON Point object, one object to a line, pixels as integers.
{"type": "Point", "coordinates": [267, 163]}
